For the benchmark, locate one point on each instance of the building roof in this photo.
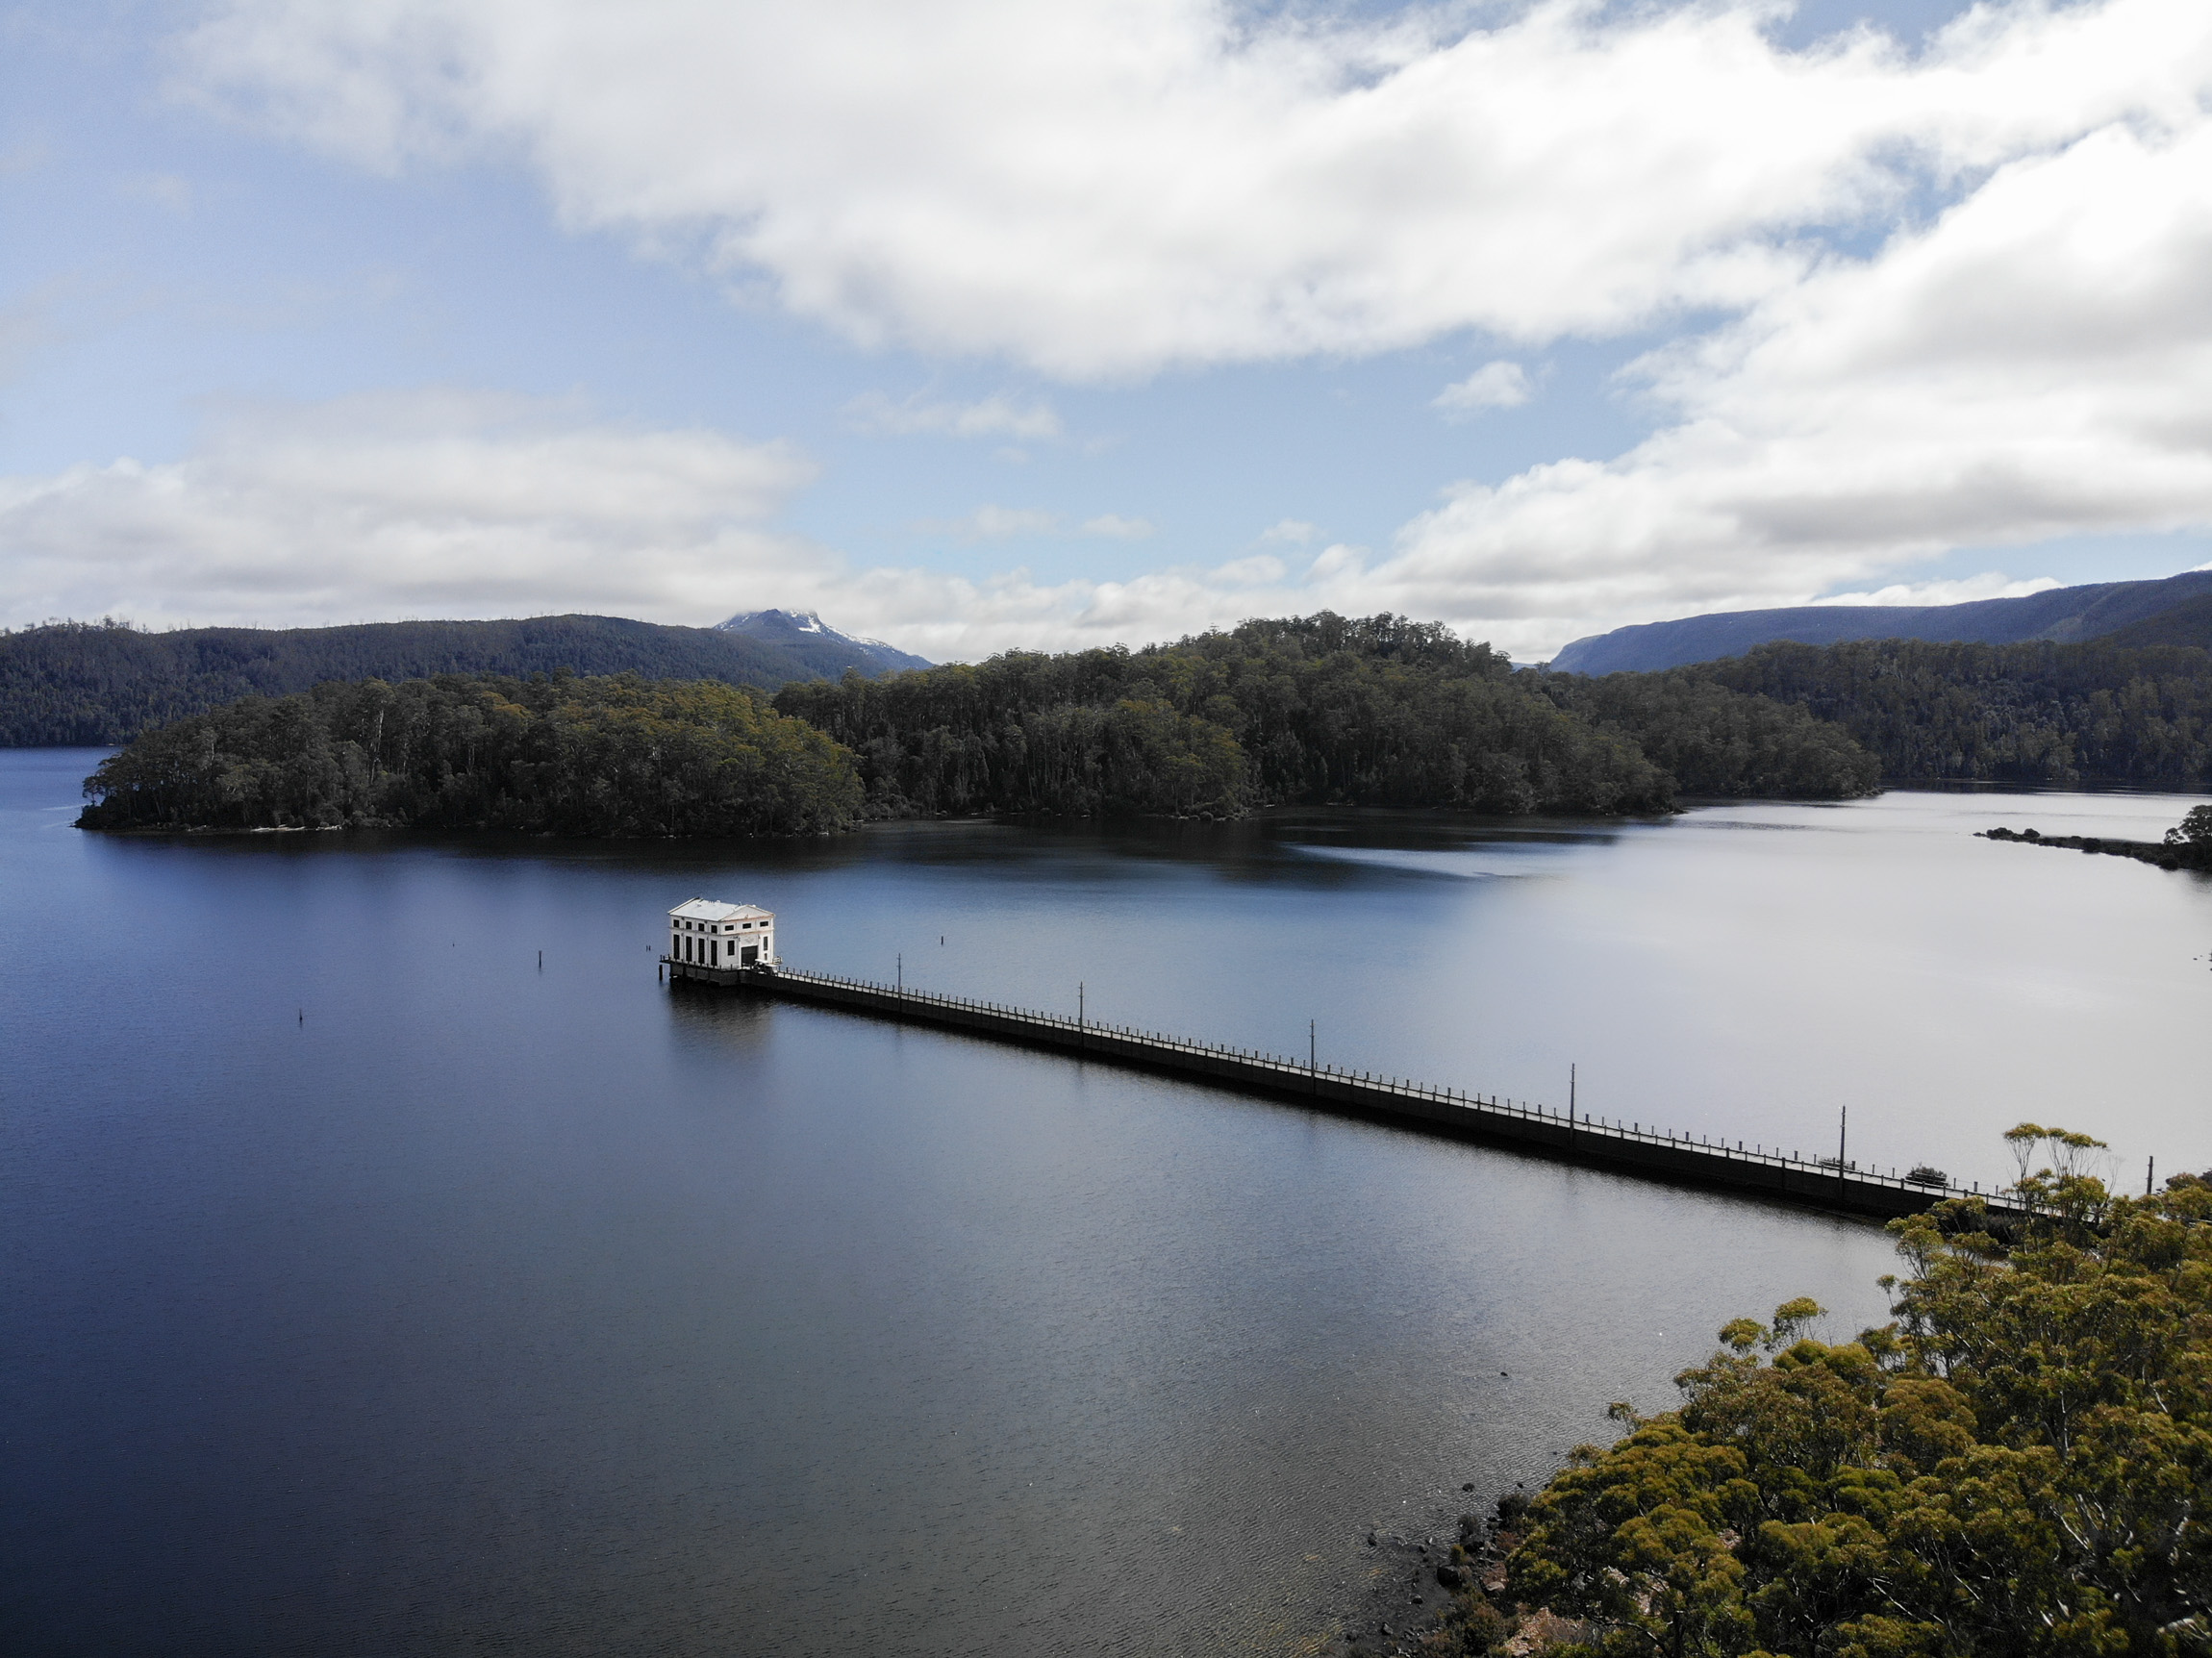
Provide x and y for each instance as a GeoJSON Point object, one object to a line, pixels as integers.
{"type": "Point", "coordinates": [708, 910]}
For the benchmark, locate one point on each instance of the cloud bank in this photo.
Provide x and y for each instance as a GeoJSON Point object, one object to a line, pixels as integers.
{"type": "Point", "coordinates": [449, 503]}
{"type": "Point", "coordinates": [1110, 186]}
{"type": "Point", "coordinates": [1957, 296]}
{"type": "Point", "coordinates": [442, 503]}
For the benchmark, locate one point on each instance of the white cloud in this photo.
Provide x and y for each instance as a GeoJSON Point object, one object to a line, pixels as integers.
{"type": "Point", "coordinates": [1106, 187]}
{"type": "Point", "coordinates": [1258, 570]}
{"type": "Point", "coordinates": [2032, 365]}
{"type": "Point", "coordinates": [461, 504]}
{"type": "Point", "coordinates": [1119, 528]}
{"type": "Point", "coordinates": [994, 416]}
{"type": "Point", "coordinates": [1492, 386]}
{"type": "Point", "coordinates": [430, 503]}
{"type": "Point", "coordinates": [1990, 585]}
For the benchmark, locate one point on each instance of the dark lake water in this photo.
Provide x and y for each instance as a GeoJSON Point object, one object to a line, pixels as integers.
{"type": "Point", "coordinates": [369, 1289]}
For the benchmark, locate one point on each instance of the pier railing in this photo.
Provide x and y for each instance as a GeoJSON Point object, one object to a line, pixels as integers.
{"type": "Point", "coordinates": [1565, 1134]}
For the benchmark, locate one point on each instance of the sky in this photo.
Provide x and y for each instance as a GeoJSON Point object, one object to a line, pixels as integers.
{"type": "Point", "coordinates": [978, 325]}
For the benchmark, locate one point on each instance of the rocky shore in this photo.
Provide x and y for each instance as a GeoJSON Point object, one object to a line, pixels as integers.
{"type": "Point", "coordinates": [1431, 1596]}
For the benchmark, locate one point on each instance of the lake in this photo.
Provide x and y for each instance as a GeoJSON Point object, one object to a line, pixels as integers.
{"type": "Point", "coordinates": [370, 1287]}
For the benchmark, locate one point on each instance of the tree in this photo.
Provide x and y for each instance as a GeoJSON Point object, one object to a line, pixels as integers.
{"type": "Point", "coordinates": [2020, 1464]}
{"type": "Point", "coordinates": [2194, 830]}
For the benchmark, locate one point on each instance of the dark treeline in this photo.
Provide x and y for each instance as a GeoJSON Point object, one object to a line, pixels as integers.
{"type": "Point", "coordinates": [580, 756]}
{"type": "Point", "coordinates": [1322, 710]}
{"type": "Point", "coordinates": [1712, 740]}
{"type": "Point", "coordinates": [2009, 714]}
{"type": "Point", "coordinates": [106, 682]}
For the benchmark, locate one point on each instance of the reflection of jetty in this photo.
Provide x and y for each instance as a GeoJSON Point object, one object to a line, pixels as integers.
{"type": "Point", "coordinates": [1564, 1136]}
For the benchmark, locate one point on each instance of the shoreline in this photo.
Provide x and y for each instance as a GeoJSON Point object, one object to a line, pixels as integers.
{"type": "Point", "coordinates": [2166, 855]}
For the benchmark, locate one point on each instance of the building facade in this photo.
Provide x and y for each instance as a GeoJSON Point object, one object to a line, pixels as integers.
{"type": "Point", "coordinates": [705, 933]}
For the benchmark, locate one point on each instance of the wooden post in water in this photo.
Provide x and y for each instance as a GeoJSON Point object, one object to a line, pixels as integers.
{"type": "Point", "coordinates": [2149, 1178]}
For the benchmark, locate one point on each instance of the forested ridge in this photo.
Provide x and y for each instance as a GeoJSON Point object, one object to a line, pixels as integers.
{"type": "Point", "coordinates": [2040, 712]}
{"type": "Point", "coordinates": [1321, 710]}
{"type": "Point", "coordinates": [2018, 1465]}
{"type": "Point", "coordinates": [98, 683]}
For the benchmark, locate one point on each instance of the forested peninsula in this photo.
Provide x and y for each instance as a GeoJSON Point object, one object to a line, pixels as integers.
{"type": "Point", "coordinates": [554, 753]}
{"type": "Point", "coordinates": [1322, 710]}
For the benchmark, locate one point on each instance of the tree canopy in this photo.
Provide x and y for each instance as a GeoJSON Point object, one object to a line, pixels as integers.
{"type": "Point", "coordinates": [107, 682]}
{"type": "Point", "coordinates": [1996, 713]}
{"type": "Point", "coordinates": [1319, 710]}
{"type": "Point", "coordinates": [590, 756]}
{"type": "Point", "coordinates": [2020, 1464]}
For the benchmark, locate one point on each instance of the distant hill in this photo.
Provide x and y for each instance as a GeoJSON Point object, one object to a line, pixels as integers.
{"type": "Point", "coordinates": [2098, 711]}
{"type": "Point", "coordinates": [805, 635]}
{"type": "Point", "coordinates": [100, 683]}
{"type": "Point", "coordinates": [2063, 616]}
{"type": "Point", "coordinates": [2189, 622]}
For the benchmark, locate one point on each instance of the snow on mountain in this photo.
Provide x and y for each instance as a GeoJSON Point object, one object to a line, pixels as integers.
{"type": "Point", "coordinates": [806, 631]}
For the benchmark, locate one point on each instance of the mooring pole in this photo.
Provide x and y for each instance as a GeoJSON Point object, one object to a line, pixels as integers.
{"type": "Point", "coordinates": [2149, 1178]}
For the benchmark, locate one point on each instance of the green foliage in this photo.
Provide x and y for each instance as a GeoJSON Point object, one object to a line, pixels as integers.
{"type": "Point", "coordinates": [1319, 710]}
{"type": "Point", "coordinates": [2019, 1465]}
{"type": "Point", "coordinates": [2012, 713]}
{"type": "Point", "coordinates": [2194, 830]}
{"type": "Point", "coordinates": [107, 682]}
{"type": "Point", "coordinates": [597, 756]}
{"type": "Point", "coordinates": [1712, 740]}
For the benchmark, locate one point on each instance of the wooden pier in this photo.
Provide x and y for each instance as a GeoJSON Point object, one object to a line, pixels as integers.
{"type": "Point", "coordinates": [1597, 1141]}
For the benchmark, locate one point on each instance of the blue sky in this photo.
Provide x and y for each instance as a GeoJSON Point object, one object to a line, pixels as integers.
{"type": "Point", "coordinates": [1043, 327]}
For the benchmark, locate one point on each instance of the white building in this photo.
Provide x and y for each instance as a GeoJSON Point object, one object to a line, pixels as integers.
{"type": "Point", "coordinates": [706, 933]}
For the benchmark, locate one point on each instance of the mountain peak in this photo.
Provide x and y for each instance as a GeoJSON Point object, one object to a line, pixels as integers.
{"type": "Point", "coordinates": [806, 628]}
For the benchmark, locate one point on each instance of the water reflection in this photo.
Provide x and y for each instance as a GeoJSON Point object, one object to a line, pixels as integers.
{"type": "Point", "coordinates": [368, 1289]}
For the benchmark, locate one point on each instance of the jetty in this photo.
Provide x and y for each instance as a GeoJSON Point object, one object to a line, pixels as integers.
{"type": "Point", "coordinates": [1831, 1184]}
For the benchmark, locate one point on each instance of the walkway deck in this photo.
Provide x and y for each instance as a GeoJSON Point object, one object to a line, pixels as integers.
{"type": "Point", "coordinates": [1599, 1142]}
